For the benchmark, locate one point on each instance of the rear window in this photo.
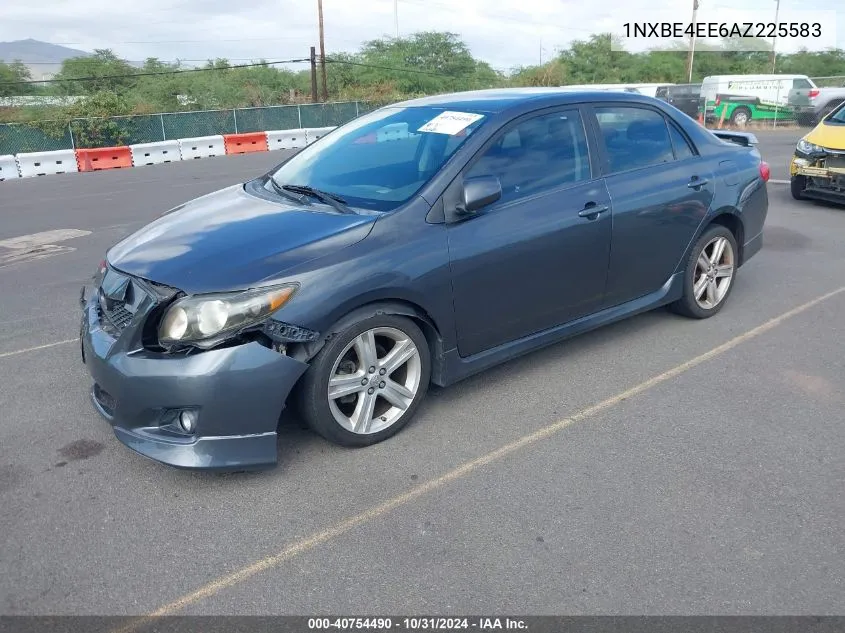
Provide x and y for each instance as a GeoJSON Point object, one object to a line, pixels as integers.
{"type": "Point", "coordinates": [689, 91]}
{"type": "Point", "coordinates": [801, 84]}
{"type": "Point", "coordinates": [634, 137]}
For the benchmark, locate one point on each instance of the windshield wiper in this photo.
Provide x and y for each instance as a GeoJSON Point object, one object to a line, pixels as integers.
{"type": "Point", "coordinates": [286, 194]}
{"type": "Point", "coordinates": [323, 196]}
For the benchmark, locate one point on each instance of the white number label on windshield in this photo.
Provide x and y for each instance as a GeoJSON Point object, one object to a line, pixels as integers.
{"type": "Point", "coordinates": [450, 122]}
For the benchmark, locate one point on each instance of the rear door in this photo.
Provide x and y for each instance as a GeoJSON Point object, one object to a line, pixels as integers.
{"type": "Point", "coordinates": [660, 189]}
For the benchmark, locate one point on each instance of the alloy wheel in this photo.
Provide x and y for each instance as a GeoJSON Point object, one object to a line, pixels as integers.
{"type": "Point", "coordinates": [714, 272]}
{"type": "Point", "coordinates": [374, 380]}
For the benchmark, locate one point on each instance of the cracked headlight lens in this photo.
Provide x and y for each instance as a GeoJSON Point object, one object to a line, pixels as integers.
{"type": "Point", "coordinates": [806, 147]}
{"type": "Point", "coordinates": [208, 318]}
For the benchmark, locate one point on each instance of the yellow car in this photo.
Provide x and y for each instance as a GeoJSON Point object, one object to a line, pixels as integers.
{"type": "Point", "coordinates": [817, 169]}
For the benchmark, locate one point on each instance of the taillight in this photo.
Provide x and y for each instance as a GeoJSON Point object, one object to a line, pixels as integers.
{"type": "Point", "coordinates": [718, 100]}
{"type": "Point", "coordinates": [765, 172]}
{"type": "Point", "coordinates": [813, 93]}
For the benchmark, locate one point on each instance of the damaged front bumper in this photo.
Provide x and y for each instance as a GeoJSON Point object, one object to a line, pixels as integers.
{"type": "Point", "coordinates": [824, 176]}
{"type": "Point", "coordinates": [235, 396]}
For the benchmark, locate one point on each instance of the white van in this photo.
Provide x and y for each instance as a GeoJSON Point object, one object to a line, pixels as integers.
{"type": "Point", "coordinates": [742, 98]}
{"type": "Point", "coordinates": [644, 89]}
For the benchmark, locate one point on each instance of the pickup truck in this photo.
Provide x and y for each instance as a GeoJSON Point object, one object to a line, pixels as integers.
{"type": "Point", "coordinates": [811, 105]}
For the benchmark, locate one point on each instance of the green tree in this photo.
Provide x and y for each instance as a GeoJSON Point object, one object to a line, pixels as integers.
{"type": "Point", "coordinates": [427, 62]}
{"type": "Point", "coordinates": [11, 76]}
{"type": "Point", "coordinates": [108, 70]}
{"type": "Point", "coordinates": [593, 61]}
{"type": "Point", "coordinates": [827, 63]}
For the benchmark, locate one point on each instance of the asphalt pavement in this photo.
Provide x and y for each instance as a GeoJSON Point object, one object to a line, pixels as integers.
{"type": "Point", "coordinates": [660, 465]}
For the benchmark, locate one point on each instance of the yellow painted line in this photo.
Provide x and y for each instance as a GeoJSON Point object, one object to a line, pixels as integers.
{"type": "Point", "coordinates": [308, 543]}
{"type": "Point", "coordinates": [38, 347]}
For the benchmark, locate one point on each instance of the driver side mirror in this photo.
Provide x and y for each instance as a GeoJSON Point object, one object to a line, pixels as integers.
{"type": "Point", "coordinates": [478, 193]}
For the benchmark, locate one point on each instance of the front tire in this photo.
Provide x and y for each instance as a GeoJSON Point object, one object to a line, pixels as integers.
{"type": "Point", "coordinates": [710, 274]}
{"type": "Point", "coordinates": [797, 184]}
{"type": "Point", "coordinates": [366, 383]}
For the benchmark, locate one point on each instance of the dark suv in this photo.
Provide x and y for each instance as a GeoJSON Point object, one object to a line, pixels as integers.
{"type": "Point", "coordinates": [685, 97]}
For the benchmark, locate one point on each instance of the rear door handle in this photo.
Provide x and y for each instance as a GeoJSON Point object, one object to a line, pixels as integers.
{"type": "Point", "coordinates": [592, 211]}
{"type": "Point", "coordinates": [697, 182]}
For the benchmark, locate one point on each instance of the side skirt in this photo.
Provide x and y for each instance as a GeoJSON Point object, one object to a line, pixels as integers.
{"type": "Point", "coordinates": [456, 368]}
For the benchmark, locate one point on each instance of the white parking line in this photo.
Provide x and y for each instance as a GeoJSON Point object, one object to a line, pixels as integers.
{"type": "Point", "coordinates": [778, 182]}
{"type": "Point", "coordinates": [304, 544]}
{"type": "Point", "coordinates": [38, 347]}
{"type": "Point", "coordinates": [37, 245]}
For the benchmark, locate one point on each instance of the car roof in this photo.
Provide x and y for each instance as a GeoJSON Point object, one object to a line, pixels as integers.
{"type": "Point", "coordinates": [501, 99]}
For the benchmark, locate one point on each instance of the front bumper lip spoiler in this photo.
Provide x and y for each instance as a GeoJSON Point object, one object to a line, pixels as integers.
{"type": "Point", "coordinates": [223, 453]}
{"type": "Point", "coordinates": [226, 453]}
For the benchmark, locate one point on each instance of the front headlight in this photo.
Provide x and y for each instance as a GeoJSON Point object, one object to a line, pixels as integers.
{"type": "Point", "coordinates": [806, 147]}
{"type": "Point", "coordinates": [204, 319]}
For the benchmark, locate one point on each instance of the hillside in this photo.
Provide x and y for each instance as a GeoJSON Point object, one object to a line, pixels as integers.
{"type": "Point", "coordinates": [42, 58]}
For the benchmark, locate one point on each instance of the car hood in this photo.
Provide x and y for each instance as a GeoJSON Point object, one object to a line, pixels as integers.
{"type": "Point", "coordinates": [828, 136]}
{"type": "Point", "coordinates": [230, 240]}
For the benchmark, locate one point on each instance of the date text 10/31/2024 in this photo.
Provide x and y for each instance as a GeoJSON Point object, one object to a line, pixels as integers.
{"type": "Point", "coordinates": [417, 624]}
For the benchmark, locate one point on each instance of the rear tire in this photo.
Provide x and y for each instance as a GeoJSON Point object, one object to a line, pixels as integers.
{"type": "Point", "coordinates": [710, 274]}
{"type": "Point", "coordinates": [741, 116]}
{"type": "Point", "coordinates": [367, 382]}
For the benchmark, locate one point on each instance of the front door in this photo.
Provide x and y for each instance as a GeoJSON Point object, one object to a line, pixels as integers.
{"type": "Point", "coordinates": [537, 257]}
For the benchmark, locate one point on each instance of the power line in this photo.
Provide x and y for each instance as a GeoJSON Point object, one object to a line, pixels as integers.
{"type": "Point", "coordinates": [329, 60]}
{"type": "Point", "coordinates": [380, 67]}
{"type": "Point", "coordinates": [151, 74]}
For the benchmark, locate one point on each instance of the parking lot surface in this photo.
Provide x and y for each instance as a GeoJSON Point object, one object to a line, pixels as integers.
{"type": "Point", "coordinates": [660, 465]}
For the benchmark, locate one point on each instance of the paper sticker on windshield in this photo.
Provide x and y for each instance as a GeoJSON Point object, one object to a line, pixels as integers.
{"type": "Point", "coordinates": [450, 122]}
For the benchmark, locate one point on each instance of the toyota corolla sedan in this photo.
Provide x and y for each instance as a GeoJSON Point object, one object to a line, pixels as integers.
{"type": "Point", "coordinates": [421, 243]}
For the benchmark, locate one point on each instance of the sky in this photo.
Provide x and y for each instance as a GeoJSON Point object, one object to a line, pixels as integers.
{"type": "Point", "coordinates": [505, 33]}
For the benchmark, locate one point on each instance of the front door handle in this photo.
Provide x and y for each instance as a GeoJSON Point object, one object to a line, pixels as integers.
{"type": "Point", "coordinates": [697, 182]}
{"type": "Point", "coordinates": [592, 211]}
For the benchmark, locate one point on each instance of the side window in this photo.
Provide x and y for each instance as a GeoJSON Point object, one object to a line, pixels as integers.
{"type": "Point", "coordinates": [682, 147]}
{"type": "Point", "coordinates": [537, 154]}
{"type": "Point", "coordinates": [634, 137]}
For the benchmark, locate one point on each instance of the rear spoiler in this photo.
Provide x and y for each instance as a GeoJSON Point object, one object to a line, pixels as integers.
{"type": "Point", "coordinates": [745, 139]}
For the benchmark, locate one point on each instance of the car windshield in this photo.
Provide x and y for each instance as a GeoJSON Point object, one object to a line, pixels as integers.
{"type": "Point", "coordinates": [837, 116]}
{"type": "Point", "coordinates": [382, 159]}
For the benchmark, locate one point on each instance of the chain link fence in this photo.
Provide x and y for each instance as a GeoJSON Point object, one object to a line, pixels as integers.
{"type": "Point", "coordinates": [740, 102]}
{"type": "Point", "coordinates": [45, 136]}
{"type": "Point", "coordinates": [735, 101]}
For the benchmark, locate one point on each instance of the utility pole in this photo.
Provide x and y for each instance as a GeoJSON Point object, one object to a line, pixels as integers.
{"type": "Point", "coordinates": [396, 17]}
{"type": "Point", "coordinates": [322, 51]}
{"type": "Point", "coordinates": [774, 39]}
{"type": "Point", "coordinates": [691, 54]}
{"type": "Point", "coordinates": [313, 75]}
